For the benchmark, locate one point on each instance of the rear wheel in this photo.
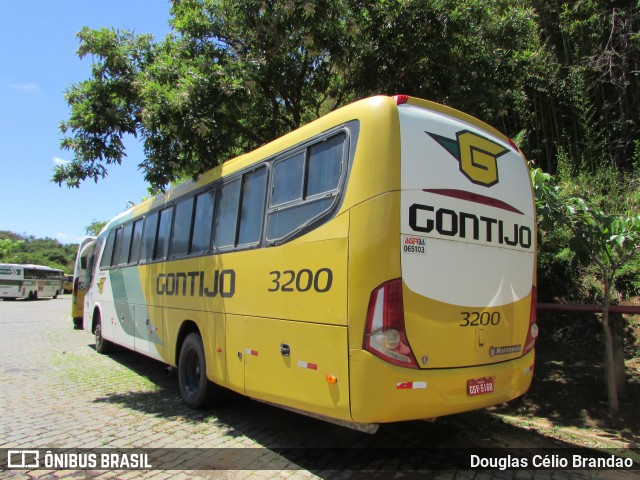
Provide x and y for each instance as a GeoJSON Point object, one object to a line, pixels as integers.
{"type": "Point", "coordinates": [196, 390]}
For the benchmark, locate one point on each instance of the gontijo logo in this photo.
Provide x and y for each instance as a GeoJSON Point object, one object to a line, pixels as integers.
{"type": "Point", "coordinates": [477, 155]}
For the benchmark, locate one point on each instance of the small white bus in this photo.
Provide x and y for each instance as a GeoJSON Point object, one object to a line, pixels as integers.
{"type": "Point", "coordinates": [29, 281]}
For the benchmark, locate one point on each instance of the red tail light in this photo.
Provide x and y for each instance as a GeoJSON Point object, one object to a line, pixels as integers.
{"type": "Point", "coordinates": [385, 334]}
{"type": "Point", "coordinates": [76, 282]}
{"type": "Point", "coordinates": [400, 99]}
{"type": "Point", "coordinates": [532, 333]}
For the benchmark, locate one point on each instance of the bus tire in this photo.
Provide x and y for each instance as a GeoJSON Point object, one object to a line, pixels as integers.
{"type": "Point", "coordinates": [196, 390]}
{"type": "Point", "coordinates": [102, 346]}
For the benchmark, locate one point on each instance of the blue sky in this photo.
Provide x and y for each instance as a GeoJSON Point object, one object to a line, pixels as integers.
{"type": "Point", "coordinates": [38, 63]}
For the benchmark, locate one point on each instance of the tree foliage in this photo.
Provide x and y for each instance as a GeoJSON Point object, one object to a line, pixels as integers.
{"type": "Point", "coordinates": [606, 241]}
{"type": "Point", "coordinates": [15, 248]}
{"type": "Point", "coordinates": [560, 77]}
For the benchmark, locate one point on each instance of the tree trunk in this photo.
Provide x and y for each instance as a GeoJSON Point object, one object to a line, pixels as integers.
{"type": "Point", "coordinates": [617, 333]}
{"type": "Point", "coordinates": [609, 364]}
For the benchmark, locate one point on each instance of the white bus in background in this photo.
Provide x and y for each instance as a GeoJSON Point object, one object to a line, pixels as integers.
{"type": "Point", "coordinates": [80, 279]}
{"type": "Point", "coordinates": [29, 281]}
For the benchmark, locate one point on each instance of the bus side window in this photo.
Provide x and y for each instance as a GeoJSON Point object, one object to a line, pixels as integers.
{"type": "Point", "coordinates": [136, 241]}
{"type": "Point", "coordinates": [182, 227]}
{"type": "Point", "coordinates": [325, 162]}
{"type": "Point", "coordinates": [164, 229]}
{"type": "Point", "coordinates": [227, 215]}
{"type": "Point", "coordinates": [202, 222]}
{"type": "Point", "coordinates": [287, 179]}
{"type": "Point", "coordinates": [105, 261]}
{"type": "Point", "coordinates": [149, 237]}
{"type": "Point", "coordinates": [316, 175]}
{"type": "Point", "coordinates": [254, 186]}
{"type": "Point", "coordinates": [116, 247]}
{"type": "Point", "coordinates": [125, 245]}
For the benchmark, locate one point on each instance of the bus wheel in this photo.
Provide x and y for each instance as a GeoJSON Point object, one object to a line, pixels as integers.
{"type": "Point", "coordinates": [102, 345]}
{"type": "Point", "coordinates": [196, 390]}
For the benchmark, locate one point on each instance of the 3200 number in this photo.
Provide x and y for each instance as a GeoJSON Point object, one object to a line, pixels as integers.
{"type": "Point", "coordinates": [475, 319]}
{"type": "Point", "coordinates": [301, 281]}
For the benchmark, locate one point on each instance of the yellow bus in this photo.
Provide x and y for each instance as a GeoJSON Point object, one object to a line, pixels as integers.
{"type": "Point", "coordinates": [376, 265]}
{"type": "Point", "coordinates": [85, 250]}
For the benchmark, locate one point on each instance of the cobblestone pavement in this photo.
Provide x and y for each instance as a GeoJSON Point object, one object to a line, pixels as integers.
{"type": "Point", "coordinates": [56, 392]}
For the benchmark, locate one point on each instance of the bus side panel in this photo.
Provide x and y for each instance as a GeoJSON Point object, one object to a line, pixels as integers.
{"type": "Point", "coordinates": [287, 362]}
{"type": "Point", "coordinates": [374, 256]}
{"type": "Point", "coordinates": [234, 352]}
{"type": "Point", "coordinates": [149, 331]}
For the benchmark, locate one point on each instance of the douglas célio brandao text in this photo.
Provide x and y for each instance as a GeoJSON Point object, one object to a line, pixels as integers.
{"type": "Point", "coordinates": [555, 461]}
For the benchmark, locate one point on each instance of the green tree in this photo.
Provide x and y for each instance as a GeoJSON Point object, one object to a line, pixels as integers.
{"type": "Point", "coordinates": [94, 228]}
{"type": "Point", "coordinates": [237, 74]}
{"type": "Point", "coordinates": [233, 76]}
{"type": "Point", "coordinates": [604, 240]}
{"type": "Point", "coordinates": [8, 248]}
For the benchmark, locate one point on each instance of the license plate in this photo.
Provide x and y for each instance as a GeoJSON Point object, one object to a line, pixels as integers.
{"type": "Point", "coordinates": [479, 386]}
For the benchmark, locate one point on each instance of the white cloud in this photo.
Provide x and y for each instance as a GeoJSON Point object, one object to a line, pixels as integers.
{"type": "Point", "coordinates": [66, 238]}
{"type": "Point", "coordinates": [25, 87]}
{"type": "Point", "coordinates": [60, 161]}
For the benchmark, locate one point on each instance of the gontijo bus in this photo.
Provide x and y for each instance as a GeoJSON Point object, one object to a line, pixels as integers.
{"type": "Point", "coordinates": [29, 281]}
{"type": "Point", "coordinates": [375, 265]}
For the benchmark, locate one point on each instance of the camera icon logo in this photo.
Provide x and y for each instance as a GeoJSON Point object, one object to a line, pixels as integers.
{"type": "Point", "coordinates": [23, 459]}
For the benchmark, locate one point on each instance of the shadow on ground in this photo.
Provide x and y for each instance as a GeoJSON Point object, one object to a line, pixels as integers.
{"type": "Point", "coordinates": [569, 387]}
{"type": "Point", "coordinates": [318, 446]}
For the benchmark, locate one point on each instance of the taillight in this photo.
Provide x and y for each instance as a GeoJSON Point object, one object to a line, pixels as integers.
{"type": "Point", "coordinates": [76, 282]}
{"type": "Point", "coordinates": [384, 333]}
{"type": "Point", "coordinates": [400, 99]}
{"type": "Point", "coordinates": [532, 333]}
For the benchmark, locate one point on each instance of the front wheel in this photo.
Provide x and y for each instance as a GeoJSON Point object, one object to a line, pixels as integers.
{"type": "Point", "coordinates": [196, 390]}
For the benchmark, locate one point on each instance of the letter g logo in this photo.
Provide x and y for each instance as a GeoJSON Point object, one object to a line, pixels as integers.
{"type": "Point", "coordinates": [477, 155]}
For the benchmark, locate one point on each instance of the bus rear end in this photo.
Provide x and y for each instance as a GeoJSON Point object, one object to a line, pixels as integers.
{"type": "Point", "coordinates": [85, 250]}
{"type": "Point", "coordinates": [453, 327]}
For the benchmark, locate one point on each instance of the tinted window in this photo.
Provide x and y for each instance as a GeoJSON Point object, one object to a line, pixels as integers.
{"type": "Point", "coordinates": [123, 258]}
{"type": "Point", "coordinates": [254, 187]}
{"type": "Point", "coordinates": [105, 261]}
{"type": "Point", "coordinates": [227, 214]}
{"type": "Point", "coordinates": [136, 240]}
{"type": "Point", "coordinates": [202, 222]}
{"type": "Point", "coordinates": [182, 227]}
{"type": "Point", "coordinates": [287, 179]}
{"type": "Point", "coordinates": [325, 161]}
{"type": "Point", "coordinates": [149, 239]}
{"type": "Point", "coordinates": [298, 185]}
{"type": "Point", "coordinates": [116, 247]}
{"type": "Point", "coordinates": [164, 229]}
{"type": "Point", "coordinates": [283, 222]}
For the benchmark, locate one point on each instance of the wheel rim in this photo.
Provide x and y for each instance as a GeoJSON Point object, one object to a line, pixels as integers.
{"type": "Point", "coordinates": [192, 372]}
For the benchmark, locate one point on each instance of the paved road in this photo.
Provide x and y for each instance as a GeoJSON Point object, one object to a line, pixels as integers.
{"type": "Point", "coordinates": [56, 392]}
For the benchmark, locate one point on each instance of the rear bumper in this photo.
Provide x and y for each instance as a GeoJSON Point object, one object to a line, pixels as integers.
{"type": "Point", "coordinates": [377, 398]}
